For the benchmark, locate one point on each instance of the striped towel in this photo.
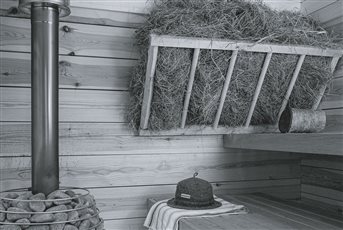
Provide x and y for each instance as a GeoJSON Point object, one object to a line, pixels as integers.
{"type": "Point", "coordinates": [163, 217]}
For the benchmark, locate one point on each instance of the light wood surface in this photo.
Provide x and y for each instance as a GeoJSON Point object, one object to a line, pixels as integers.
{"type": "Point", "coordinates": [119, 170]}
{"type": "Point", "coordinates": [82, 40]}
{"type": "Point", "coordinates": [264, 213]}
{"type": "Point", "coordinates": [74, 73]}
{"type": "Point", "coordinates": [75, 105]}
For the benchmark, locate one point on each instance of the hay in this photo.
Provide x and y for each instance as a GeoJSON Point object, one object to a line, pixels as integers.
{"type": "Point", "coordinates": [226, 19]}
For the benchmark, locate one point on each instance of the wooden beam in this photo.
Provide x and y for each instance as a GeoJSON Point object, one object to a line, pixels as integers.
{"type": "Point", "coordinates": [323, 88]}
{"type": "Point", "coordinates": [208, 130]}
{"type": "Point", "coordinates": [225, 87]}
{"type": "Point", "coordinates": [291, 84]}
{"type": "Point", "coordinates": [314, 143]}
{"type": "Point", "coordinates": [258, 88]}
{"type": "Point", "coordinates": [189, 87]}
{"type": "Point", "coordinates": [217, 44]}
{"type": "Point", "coordinates": [148, 86]}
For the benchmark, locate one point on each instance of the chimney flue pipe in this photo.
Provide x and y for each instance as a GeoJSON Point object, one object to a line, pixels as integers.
{"type": "Point", "coordinates": [44, 90]}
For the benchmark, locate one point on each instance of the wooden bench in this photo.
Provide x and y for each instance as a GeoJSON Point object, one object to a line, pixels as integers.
{"type": "Point", "coordinates": [264, 213]}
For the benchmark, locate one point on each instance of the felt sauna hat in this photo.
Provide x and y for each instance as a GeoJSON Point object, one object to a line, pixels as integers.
{"type": "Point", "coordinates": [194, 194]}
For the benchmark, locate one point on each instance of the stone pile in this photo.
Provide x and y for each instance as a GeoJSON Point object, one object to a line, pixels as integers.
{"type": "Point", "coordinates": [60, 210]}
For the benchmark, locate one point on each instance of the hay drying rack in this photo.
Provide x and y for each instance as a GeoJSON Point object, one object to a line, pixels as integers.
{"type": "Point", "coordinates": [197, 44]}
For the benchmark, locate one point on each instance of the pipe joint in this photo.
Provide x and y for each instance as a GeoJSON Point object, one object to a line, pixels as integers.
{"type": "Point", "coordinates": [63, 6]}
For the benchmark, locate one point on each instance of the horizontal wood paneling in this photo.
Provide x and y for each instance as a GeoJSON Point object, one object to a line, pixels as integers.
{"type": "Point", "coordinates": [82, 40]}
{"type": "Point", "coordinates": [125, 224]}
{"type": "Point", "coordinates": [322, 191]}
{"type": "Point", "coordinates": [310, 6]}
{"type": "Point", "coordinates": [105, 138]}
{"type": "Point", "coordinates": [327, 178]}
{"type": "Point", "coordinates": [322, 182]}
{"type": "Point", "coordinates": [128, 170]}
{"type": "Point", "coordinates": [333, 204]}
{"type": "Point", "coordinates": [327, 12]}
{"type": "Point", "coordinates": [75, 105]}
{"type": "Point", "coordinates": [98, 149]}
{"type": "Point", "coordinates": [75, 72]}
{"type": "Point", "coordinates": [83, 15]}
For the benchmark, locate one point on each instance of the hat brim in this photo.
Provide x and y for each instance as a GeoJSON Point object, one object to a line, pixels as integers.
{"type": "Point", "coordinates": [171, 203]}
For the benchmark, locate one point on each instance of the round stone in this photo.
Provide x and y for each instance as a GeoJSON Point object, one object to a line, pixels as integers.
{"type": "Point", "coordinates": [17, 216]}
{"type": "Point", "coordinates": [42, 218]}
{"type": "Point", "coordinates": [23, 223]}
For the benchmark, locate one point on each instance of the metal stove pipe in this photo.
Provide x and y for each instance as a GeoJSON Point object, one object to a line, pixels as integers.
{"type": "Point", "coordinates": [44, 92]}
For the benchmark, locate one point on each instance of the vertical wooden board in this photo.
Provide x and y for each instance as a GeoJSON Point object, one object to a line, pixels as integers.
{"type": "Point", "coordinates": [74, 72]}
{"type": "Point", "coordinates": [258, 88]}
{"type": "Point", "coordinates": [84, 40]}
{"type": "Point", "coordinates": [225, 87]}
{"type": "Point", "coordinates": [148, 86]}
{"type": "Point", "coordinates": [75, 105]}
{"type": "Point", "coordinates": [189, 87]}
{"type": "Point", "coordinates": [122, 170]}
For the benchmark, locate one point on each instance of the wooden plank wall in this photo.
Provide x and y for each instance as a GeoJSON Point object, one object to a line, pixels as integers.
{"type": "Point", "coordinates": [98, 149]}
{"type": "Point", "coordinates": [322, 177]}
{"type": "Point", "coordinates": [328, 12]}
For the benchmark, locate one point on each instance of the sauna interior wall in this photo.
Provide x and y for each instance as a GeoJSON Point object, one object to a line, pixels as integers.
{"type": "Point", "coordinates": [322, 176]}
{"type": "Point", "coordinates": [98, 150]}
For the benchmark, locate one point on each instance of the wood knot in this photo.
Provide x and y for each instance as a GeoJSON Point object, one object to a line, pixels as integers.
{"type": "Point", "coordinates": [64, 63]}
{"type": "Point", "coordinates": [66, 29]}
{"type": "Point", "coordinates": [13, 10]}
{"type": "Point", "coordinates": [6, 73]}
{"type": "Point", "coordinates": [71, 53]}
{"type": "Point", "coordinates": [77, 84]}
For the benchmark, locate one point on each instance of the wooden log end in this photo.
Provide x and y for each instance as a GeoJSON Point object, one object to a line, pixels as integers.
{"type": "Point", "coordinates": [302, 121]}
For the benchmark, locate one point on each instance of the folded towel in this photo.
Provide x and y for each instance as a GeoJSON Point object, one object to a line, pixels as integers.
{"type": "Point", "coordinates": [163, 217]}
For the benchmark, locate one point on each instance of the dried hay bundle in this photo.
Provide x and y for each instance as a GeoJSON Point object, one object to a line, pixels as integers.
{"type": "Point", "coordinates": [226, 19]}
